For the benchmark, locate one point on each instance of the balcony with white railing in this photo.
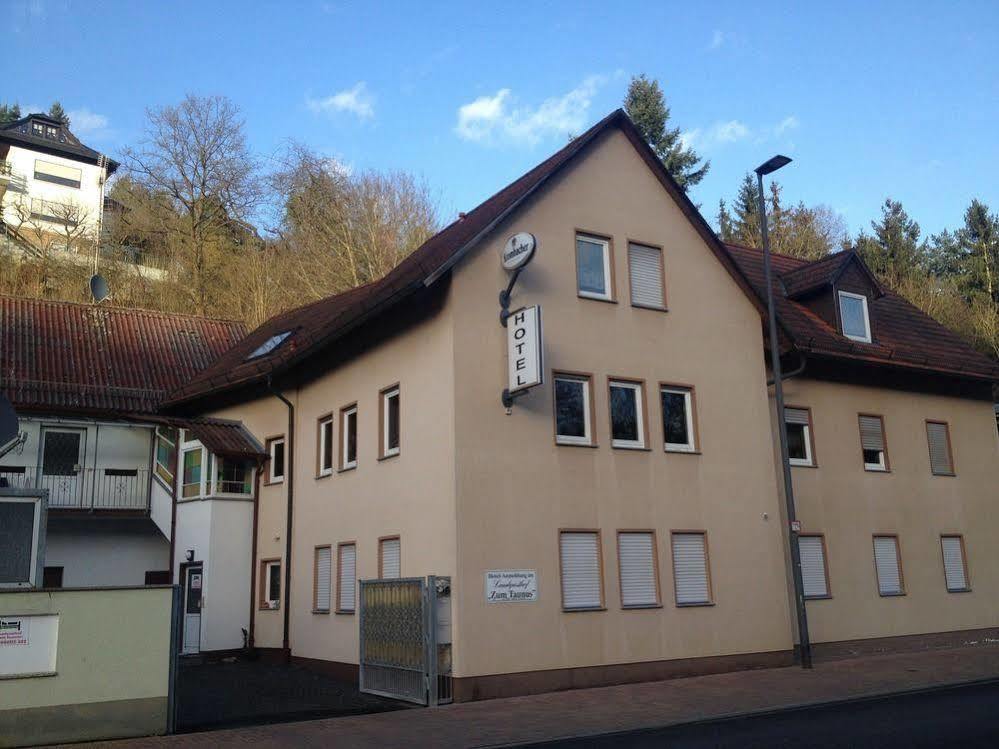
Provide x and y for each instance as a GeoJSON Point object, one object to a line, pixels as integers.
{"type": "Point", "coordinates": [96, 489]}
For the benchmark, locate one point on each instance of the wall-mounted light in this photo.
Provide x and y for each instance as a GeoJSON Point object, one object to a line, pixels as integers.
{"type": "Point", "coordinates": [190, 555]}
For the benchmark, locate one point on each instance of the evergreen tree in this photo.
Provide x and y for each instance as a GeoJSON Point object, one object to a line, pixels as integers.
{"type": "Point", "coordinates": [746, 228]}
{"type": "Point", "coordinates": [894, 252]}
{"type": "Point", "coordinates": [725, 229]}
{"type": "Point", "coordinates": [56, 112]}
{"type": "Point", "coordinates": [978, 240]}
{"type": "Point", "coordinates": [9, 113]}
{"type": "Point", "coordinates": [646, 106]}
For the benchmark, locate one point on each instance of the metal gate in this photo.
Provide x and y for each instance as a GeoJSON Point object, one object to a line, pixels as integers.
{"type": "Point", "coordinates": [405, 639]}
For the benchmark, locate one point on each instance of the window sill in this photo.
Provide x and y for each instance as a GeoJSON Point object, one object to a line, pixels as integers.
{"type": "Point", "coordinates": [680, 451]}
{"type": "Point", "coordinates": [702, 604]}
{"type": "Point", "coordinates": [321, 611]}
{"type": "Point", "coordinates": [641, 606]}
{"type": "Point", "coordinates": [276, 482]}
{"type": "Point", "coordinates": [163, 482]}
{"type": "Point", "coordinates": [876, 470]}
{"type": "Point", "coordinates": [959, 590]}
{"type": "Point", "coordinates": [826, 597]}
{"type": "Point", "coordinates": [269, 608]}
{"type": "Point", "coordinates": [650, 307]}
{"type": "Point", "coordinates": [583, 610]}
{"type": "Point", "coordinates": [589, 298]}
{"type": "Point", "coordinates": [802, 465]}
{"type": "Point", "coordinates": [338, 612]}
{"type": "Point", "coordinates": [635, 448]}
{"type": "Point", "coordinates": [575, 444]}
{"type": "Point", "coordinates": [324, 475]}
{"type": "Point", "coordinates": [347, 468]}
{"type": "Point", "coordinates": [389, 456]}
{"type": "Point", "coordinates": [945, 475]}
{"type": "Point", "coordinates": [891, 595]}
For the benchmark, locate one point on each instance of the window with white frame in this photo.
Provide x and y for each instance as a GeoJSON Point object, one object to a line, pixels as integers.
{"type": "Point", "coordinates": [390, 422]}
{"type": "Point", "coordinates": [572, 410]}
{"type": "Point", "coordinates": [348, 441]}
{"type": "Point", "coordinates": [275, 466]}
{"type": "Point", "coordinates": [593, 267]}
{"type": "Point", "coordinates": [270, 588]}
{"type": "Point", "coordinates": [854, 317]}
{"type": "Point", "coordinates": [645, 267]}
{"type": "Point", "coordinates": [326, 445]}
{"type": "Point", "coordinates": [323, 580]}
{"type": "Point", "coordinates": [390, 558]}
{"type": "Point", "coordinates": [627, 414]}
{"type": "Point", "coordinates": [690, 569]}
{"type": "Point", "coordinates": [955, 564]}
{"type": "Point", "coordinates": [347, 580]}
{"type": "Point", "coordinates": [232, 476]}
{"type": "Point", "coordinates": [814, 578]}
{"type": "Point", "coordinates": [678, 418]}
{"type": "Point", "coordinates": [888, 565]}
{"type": "Point", "coordinates": [166, 453]}
{"type": "Point", "coordinates": [872, 442]}
{"type": "Point", "coordinates": [191, 477]}
{"type": "Point", "coordinates": [582, 579]}
{"type": "Point", "coordinates": [638, 568]}
{"type": "Point", "coordinates": [798, 422]}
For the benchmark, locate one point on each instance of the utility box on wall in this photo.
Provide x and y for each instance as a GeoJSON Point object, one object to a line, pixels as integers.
{"type": "Point", "coordinates": [23, 514]}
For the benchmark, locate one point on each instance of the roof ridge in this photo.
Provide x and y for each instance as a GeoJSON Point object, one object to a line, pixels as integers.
{"type": "Point", "coordinates": [748, 248]}
{"type": "Point", "coordinates": [121, 310]}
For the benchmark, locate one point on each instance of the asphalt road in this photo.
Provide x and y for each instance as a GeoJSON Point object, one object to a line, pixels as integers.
{"type": "Point", "coordinates": [957, 717]}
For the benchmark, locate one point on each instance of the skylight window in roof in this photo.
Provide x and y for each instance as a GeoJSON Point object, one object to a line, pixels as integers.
{"type": "Point", "coordinates": [269, 345]}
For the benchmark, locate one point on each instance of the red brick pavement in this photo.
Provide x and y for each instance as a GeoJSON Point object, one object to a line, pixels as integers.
{"type": "Point", "coordinates": [594, 711]}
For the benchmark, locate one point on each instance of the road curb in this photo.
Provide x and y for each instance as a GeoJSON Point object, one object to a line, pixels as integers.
{"type": "Point", "coordinates": [761, 713]}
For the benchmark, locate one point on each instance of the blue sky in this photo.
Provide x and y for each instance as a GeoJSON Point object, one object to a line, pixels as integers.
{"type": "Point", "coordinates": [871, 101]}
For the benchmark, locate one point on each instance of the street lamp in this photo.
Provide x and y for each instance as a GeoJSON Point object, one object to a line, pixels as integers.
{"type": "Point", "coordinates": [804, 644]}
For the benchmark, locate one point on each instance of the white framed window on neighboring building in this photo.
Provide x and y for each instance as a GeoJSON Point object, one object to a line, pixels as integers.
{"type": "Point", "coordinates": [627, 412]}
{"type": "Point", "coordinates": [348, 438]}
{"type": "Point", "coordinates": [594, 268]}
{"type": "Point", "coordinates": [678, 418]}
{"type": "Point", "coordinates": [166, 453]}
{"type": "Point", "coordinates": [798, 422]}
{"type": "Point", "coordinates": [322, 580]}
{"type": "Point", "coordinates": [873, 443]}
{"type": "Point", "coordinates": [638, 566]}
{"type": "Point", "coordinates": [888, 566]}
{"type": "Point", "coordinates": [573, 409]}
{"type": "Point", "coordinates": [389, 557]}
{"type": "Point", "coordinates": [270, 583]}
{"type": "Point", "coordinates": [854, 317]}
{"type": "Point", "coordinates": [581, 570]}
{"type": "Point", "coordinates": [346, 578]}
{"type": "Point", "coordinates": [192, 472]}
{"type": "Point", "coordinates": [275, 463]}
{"type": "Point", "coordinates": [691, 576]}
{"type": "Point", "coordinates": [324, 457]}
{"type": "Point", "coordinates": [389, 420]}
{"type": "Point", "coordinates": [232, 477]}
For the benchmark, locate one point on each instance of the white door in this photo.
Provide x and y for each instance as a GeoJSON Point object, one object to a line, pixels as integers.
{"type": "Point", "coordinates": [62, 465]}
{"type": "Point", "coordinates": [193, 579]}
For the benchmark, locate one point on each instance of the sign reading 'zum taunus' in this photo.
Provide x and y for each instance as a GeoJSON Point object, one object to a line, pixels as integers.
{"type": "Point", "coordinates": [524, 349]}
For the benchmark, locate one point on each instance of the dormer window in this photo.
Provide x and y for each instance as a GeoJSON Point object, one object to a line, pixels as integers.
{"type": "Point", "coordinates": [37, 128]}
{"type": "Point", "coordinates": [853, 316]}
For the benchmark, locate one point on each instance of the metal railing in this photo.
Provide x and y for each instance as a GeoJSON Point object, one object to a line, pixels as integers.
{"type": "Point", "coordinates": [88, 489]}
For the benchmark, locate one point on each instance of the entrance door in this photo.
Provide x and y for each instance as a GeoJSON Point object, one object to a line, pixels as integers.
{"type": "Point", "coordinates": [62, 465]}
{"type": "Point", "coordinates": [193, 579]}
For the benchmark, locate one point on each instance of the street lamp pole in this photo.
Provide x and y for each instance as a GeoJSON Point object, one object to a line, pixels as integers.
{"type": "Point", "coordinates": [804, 643]}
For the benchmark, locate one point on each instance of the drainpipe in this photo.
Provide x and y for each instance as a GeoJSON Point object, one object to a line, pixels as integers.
{"type": "Point", "coordinates": [289, 479]}
{"type": "Point", "coordinates": [253, 559]}
{"type": "Point", "coordinates": [793, 373]}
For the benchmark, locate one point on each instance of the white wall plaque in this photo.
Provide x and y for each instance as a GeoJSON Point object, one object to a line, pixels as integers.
{"type": "Point", "coordinates": [525, 349]}
{"type": "Point", "coordinates": [506, 586]}
{"type": "Point", "coordinates": [28, 645]}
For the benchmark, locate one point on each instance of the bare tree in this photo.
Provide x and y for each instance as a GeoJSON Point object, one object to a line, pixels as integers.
{"type": "Point", "coordinates": [340, 230]}
{"type": "Point", "coordinates": [200, 188]}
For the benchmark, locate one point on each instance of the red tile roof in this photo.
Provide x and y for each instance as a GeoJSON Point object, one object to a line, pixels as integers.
{"type": "Point", "coordinates": [820, 273]}
{"type": "Point", "coordinates": [223, 437]}
{"type": "Point", "coordinates": [82, 358]}
{"type": "Point", "coordinates": [316, 325]}
{"type": "Point", "coordinates": [904, 335]}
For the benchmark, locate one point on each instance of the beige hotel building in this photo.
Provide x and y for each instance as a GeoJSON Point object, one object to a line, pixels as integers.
{"type": "Point", "coordinates": [640, 483]}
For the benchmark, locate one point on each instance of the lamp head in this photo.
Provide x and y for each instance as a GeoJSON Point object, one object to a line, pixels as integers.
{"type": "Point", "coordinates": [772, 165]}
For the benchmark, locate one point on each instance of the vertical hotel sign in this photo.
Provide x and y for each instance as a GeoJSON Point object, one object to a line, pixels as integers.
{"type": "Point", "coordinates": [524, 349]}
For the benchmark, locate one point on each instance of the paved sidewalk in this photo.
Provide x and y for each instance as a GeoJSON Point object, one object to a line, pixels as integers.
{"type": "Point", "coordinates": [595, 711]}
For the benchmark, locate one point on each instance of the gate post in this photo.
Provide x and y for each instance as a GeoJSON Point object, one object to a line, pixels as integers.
{"type": "Point", "coordinates": [430, 624]}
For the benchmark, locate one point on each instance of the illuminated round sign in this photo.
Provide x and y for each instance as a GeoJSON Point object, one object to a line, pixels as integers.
{"type": "Point", "coordinates": [519, 250]}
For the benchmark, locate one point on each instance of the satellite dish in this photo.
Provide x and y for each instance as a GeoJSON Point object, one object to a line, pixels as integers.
{"type": "Point", "coordinates": [9, 436]}
{"type": "Point", "coordinates": [99, 288]}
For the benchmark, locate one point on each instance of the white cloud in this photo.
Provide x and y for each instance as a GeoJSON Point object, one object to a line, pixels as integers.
{"type": "Point", "coordinates": [724, 133]}
{"type": "Point", "coordinates": [496, 117]}
{"type": "Point", "coordinates": [719, 39]}
{"type": "Point", "coordinates": [729, 132]}
{"type": "Point", "coordinates": [788, 123]}
{"type": "Point", "coordinates": [356, 100]}
{"type": "Point", "coordinates": [84, 122]}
